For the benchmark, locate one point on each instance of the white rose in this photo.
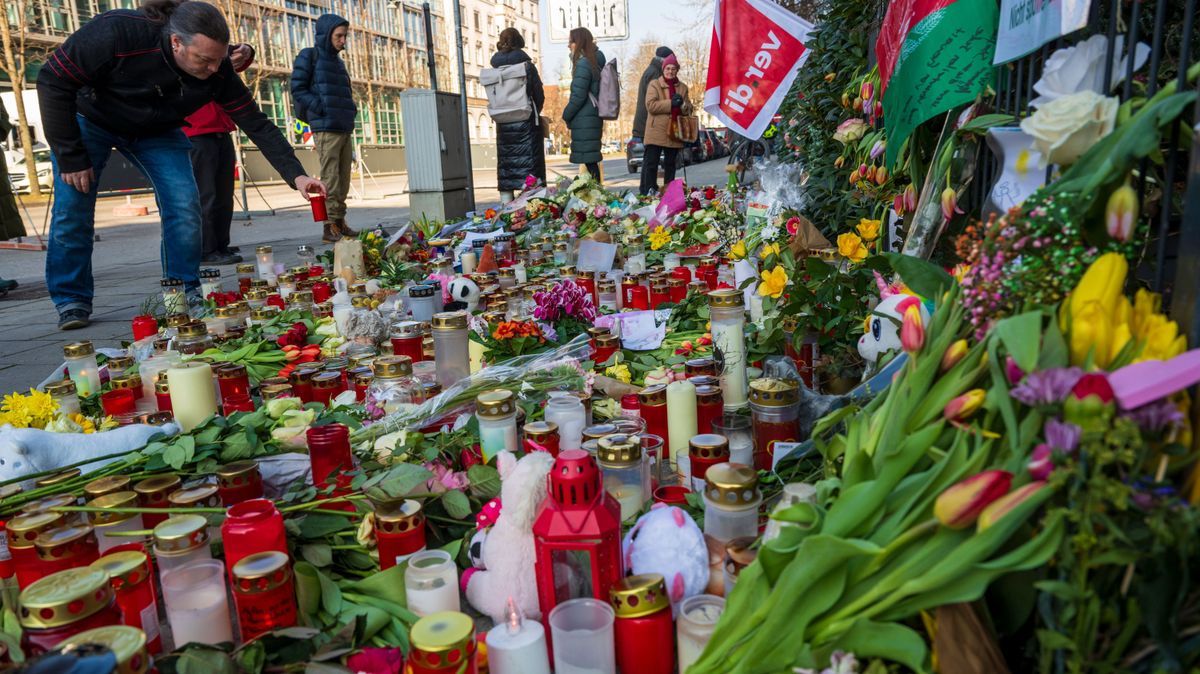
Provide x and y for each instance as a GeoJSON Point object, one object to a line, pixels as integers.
{"type": "Point", "coordinates": [1080, 67]}
{"type": "Point", "coordinates": [1067, 127]}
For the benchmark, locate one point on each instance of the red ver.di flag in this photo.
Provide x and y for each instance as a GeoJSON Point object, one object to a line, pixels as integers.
{"type": "Point", "coordinates": [757, 50]}
{"type": "Point", "coordinates": [933, 55]}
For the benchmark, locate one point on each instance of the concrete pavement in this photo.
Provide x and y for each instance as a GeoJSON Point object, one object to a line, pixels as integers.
{"type": "Point", "coordinates": [125, 261]}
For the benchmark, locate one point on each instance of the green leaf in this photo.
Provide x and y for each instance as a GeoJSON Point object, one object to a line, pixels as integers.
{"type": "Point", "coordinates": [891, 641]}
{"type": "Point", "coordinates": [485, 481]}
{"type": "Point", "coordinates": [1055, 641]}
{"type": "Point", "coordinates": [924, 277]}
{"type": "Point", "coordinates": [324, 668]}
{"type": "Point", "coordinates": [174, 456]}
{"type": "Point", "coordinates": [209, 434]}
{"type": "Point", "coordinates": [457, 505]}
{"type": "Point", "coordinates": [241, 444]}
{"type": "Point", "coordinates": [331, 596]}
{"type": "Point", "coordinates": [251, 658]}
{"type": "Point", "coordinates": [199, 659]}
{"type": "Point", "coordinates": [317, 554]}
{"type": "Point", "coordinates": [319, 525]}
{"type": "Point", "coordinates": [1054, 348]}
{"type": "Point", "coordinates": [401, 480]}
{"type": "Point", "coordinates": [1021, 335]}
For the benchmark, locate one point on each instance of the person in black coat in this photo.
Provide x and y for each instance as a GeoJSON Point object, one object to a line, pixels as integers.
{"type": "Point", "coordinates": [323, 98]}
{"type": "Point", "coordinates": [519, 147]}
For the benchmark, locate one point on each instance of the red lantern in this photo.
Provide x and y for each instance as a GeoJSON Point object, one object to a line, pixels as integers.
{"type": "Point", "coordinates": [577, 534]}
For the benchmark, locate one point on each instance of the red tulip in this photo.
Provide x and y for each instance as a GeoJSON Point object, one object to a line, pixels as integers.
{"type": "Point", "coordinates": [912, 329]}
{"type": "Point", "coordinates": [1005, 504]}
{"type": "Point", "coordinates": [961, 504]}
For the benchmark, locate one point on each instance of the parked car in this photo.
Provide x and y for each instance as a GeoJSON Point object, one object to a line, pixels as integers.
{"type": "Point", "coordinates": [634, 150]}
{"type": "Point", "coordinates": [16, 168]}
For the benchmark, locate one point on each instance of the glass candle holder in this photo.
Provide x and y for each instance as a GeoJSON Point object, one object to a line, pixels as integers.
{"type": "Point", "coordinates": [108, 524]}
{"type": "Point", "coordinates": [581, 631]}
{"type": "Point", "coordinates": [420, 302]}
{"type": "Point", "coordinates": [736, 428]}
{"type": "Point", "coordinates": [329, 452]}
{"type": "Point", "coordinates": [451, 354]}
{"type": "Point", "coordinates": [567, 412]}
{"type": "Point", "coordinates": [245, 274]}
{"type": "Point", "coordinates": [264, 593]}
{"type": "Point", "coordinates": [431, 583]}
{"type": "Point", "coordinates": [626, 472]}
{"type": "Point", "coordinates": [739, 553]}
{"type": "Point", "coordinates": [210, 282]}
{"type": "Point", "coordinates": [508, 278]}
{"type": "Point", "coordinates": [661, 470]}
{"type": "Point", "coordinates": [709, 407]}
{"type": "Point", "coordinates": [496, 412]}
{"type": "Point", "coordinates": [173, 297]}
{"type": "Point", "coordinates": [607, 296]}
{"type": "Point", "coordinates": [606, 346]}
{"type": "Point", "coordinates": [132, 582]}
{"type": "Point", "coordinates": [775, 416]}
{"type": "Point", "coordinates": [20, 533]}
{"type": "Point", "coordinates": [794, 493]}
{"type": "Point", "coordinates": [144, 326]}
{"type": "Point", "coordinates": [731, 500]}
{"type": "Point", "coordinates": [197, 608]}
{"type": "Point", "coordinates": [180, 540]}
{"type": "Point", "coordinates": [233, 380]}
{"type": "Point", "coordinates": [265, 259]}
{"type": "Point", "coordinates": [66, 547]}
{"type": "Point", "coordinates": [326, 386]}
{"type": "Point", "coordinates": [406, 340]}
{"type": "Point", "coordinates": [694, 626]}
{"type": "Point", "coordinates": [82, 368]}
{"type": "Point", "coordinates": [728, 319]}
{"type": "Point", "coordinates": [63, 393]}
{"type": "Point", "coordinates": [518, 646]}
{"type": "Point", "coordinates": [393, 384]}
{"type": "Point", "coordinates": [300, 380]}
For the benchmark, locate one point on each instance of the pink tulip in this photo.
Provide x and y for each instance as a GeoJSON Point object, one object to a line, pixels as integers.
{"type": "Point", "coordinates": [949, 203]}
{"type": "Point", "coordinates": [1041, 462]}
{"type": "Point", "coordinates": [1007, 503]}
{"type": "Point", "coordinates": [912, 328]}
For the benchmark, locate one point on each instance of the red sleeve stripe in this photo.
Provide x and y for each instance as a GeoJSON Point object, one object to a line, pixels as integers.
{"type": "Point", "coordinates": [62, 69]}
{"type": "Point", "coordinates": [138, 52]}
{"type": "Point", "coordinates": [78, 71]}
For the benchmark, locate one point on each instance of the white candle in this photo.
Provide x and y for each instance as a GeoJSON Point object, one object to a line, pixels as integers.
{"type": "Point", "coordinates": [681, 417]}
{"type": "Point", "coordinates": [756, 308]}
{"type": "Point", "coordinates": [475, 353]}
{"type": "Point", "coordinates": [697, 619]}
{"type": "Point", "coordinates": [468, 262]}
{"type": "Point", "coordinates": [431, 583]}
{"type": "Point", "coordinates": [200, 617]}
{"type": "Point", "coordinates": [631, 497]}
{"type": "Point", "coordinates": [193, 396]}
{"type": "Point", "coordinates": [517, 646]}
{"type": "Point", "coordinates": [522, 275]}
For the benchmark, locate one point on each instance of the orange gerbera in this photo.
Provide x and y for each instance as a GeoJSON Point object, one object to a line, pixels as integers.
{"type": "Point", "coordinates": [506, 330]}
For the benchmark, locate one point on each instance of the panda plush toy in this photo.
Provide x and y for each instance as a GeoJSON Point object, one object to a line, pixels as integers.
{"type": "Point", "coordinates": [464, 295]}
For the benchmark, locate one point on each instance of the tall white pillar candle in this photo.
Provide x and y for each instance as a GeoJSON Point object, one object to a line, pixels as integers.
{"type": "Point", "coordinates": [193, 395]}
{"type": "Point", "coordinates": [681, 417]}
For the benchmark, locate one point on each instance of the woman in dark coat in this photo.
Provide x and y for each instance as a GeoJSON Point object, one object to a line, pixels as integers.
{"type": "Point", "coordinates": [580, 113]}
{"type": "Point", "coordinates": [519, 150]}
{"type": "Point", "coordinates": [11, 224]}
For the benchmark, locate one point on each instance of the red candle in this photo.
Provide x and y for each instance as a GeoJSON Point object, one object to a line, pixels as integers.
{"type": "Point", "coordinates": [301, 381]}
{"type": "Point", "coordinates": [237, 403]}
{"type": "Point", "coordinates": [643, 629]}
{"type": "Point", "coordinates": [118, 401]}
{"type": "Point", "coordinates": [683, 274]}
{"type": "Point", "coordinates": [162, 395]}
{"type": "Point", "coordinates": [605, 345]}
{"type": "Point", "coordinates": [276, 300]}
{"type": "Point", "coordinates": [233, 380]}
{"type": "Point", "coordinates": [407, 338]}
{"type": "Point", "coordinates": [81, 600]}
{"type": "Point", "coordinates": [21, 531]}
{"type": "Point", "coordinates": [399, 531]}
{"type": "Point", "coordinates": [639, 298]}
{"type": "Point", "coordinates": [775, 414]}
{"type": "Point", "coordinates": [130, 574]}
{"type": "Point", "coordinates": [587, 280]}
{"type": "Point", "coordinates": [704, 451]}
{"type": "Point", "coordinates": [673, 494]}
{"type": "Point", "coordinates": [542, 436]}
{"type": "Point", "coordinates": [678, 289]}
{"type": "Point", "coordinates": [143, 327]}
{"type": "Point", "coordinates": [251, 527]}
{"type": "Point", "coordinates": [653, 406]}
{"type": "Point", "coordinates": [67, 547]}
{"type": "Point", "coordinates": [660, 294]}
{"type": "Point", "coordinates": [317, 201]}
{"type": "Point", "coordinates": [239, 481]}
{"type": "Point", "coordinates": [321, 292]}
{"type": "Point", "coordinates": [630, 407]}
{"type": "Point", "coordinates": [709, 407]}
{"type": "Point", "coordinates": [264, 593]}
{"type": "Point", "coordinates": [325, 386]}
{"type": "Point", "coordinates": [329, 451]}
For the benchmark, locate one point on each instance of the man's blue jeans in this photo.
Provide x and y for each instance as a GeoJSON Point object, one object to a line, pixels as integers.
{"type": "Point", "coordinates": [164, 160]}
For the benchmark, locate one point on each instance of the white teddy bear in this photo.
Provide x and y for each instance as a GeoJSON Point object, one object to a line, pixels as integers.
{"type": "Point", "coordinates": [666, 541]}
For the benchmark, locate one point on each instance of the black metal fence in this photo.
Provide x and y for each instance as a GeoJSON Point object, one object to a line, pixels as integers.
{"type": "Point", "coordinates": [1168, 186]}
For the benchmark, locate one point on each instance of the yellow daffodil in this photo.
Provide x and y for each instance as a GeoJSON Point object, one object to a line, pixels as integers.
{"type": "Point", "coordinates": [32, 410]}
{"type": "Point", "coordinates": [1102, 283]}
{"type": "Point", "coordinates": [868, 229]}
{"type": "Point", "coordinates": [620, 372]}
{"type": "Point", "coordinates": [768, 250]}
{"type": "Point", "coordinates": [852, 247]}
{"type": "Point", "coordinates": [774, 282]}
{"type": "Point", "coordinates": [659, 237]}
{"type": "Point", "coordinates": [738, 250]}
{"type": "Point", "coordinates": [1158, 335]}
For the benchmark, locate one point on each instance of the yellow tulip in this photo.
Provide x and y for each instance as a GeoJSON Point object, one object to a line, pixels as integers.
{"type": "Point", "coordinates": [774, 282]}
{"type": "Point", "coordinates": [1091, 333]}
{"type": "Point", "coordinates": [1102, 282]}
{"type": "Point", "coordinates": [768, 250]}
{"type": "Point", "coordinates": [738, 250]}
{"type": "Point", "coordinates": [852, 247]}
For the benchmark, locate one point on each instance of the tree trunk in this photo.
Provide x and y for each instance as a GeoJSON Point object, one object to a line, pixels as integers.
{"type": "Point", "coordinates": [16, 75]}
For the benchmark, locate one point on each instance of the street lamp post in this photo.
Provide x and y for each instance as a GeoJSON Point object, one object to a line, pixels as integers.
{"type": "Point", "coordinates": [462, 87]}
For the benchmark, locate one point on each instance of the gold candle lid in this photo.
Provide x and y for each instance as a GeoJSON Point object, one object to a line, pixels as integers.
{"type": "Point", "coordinates": [64, 542]}
{"type": "Point", "coordinates": [199, 496]}
{"type": "Point", "coordinates": [58, 478]}
{"type": "Point", "coordinates": [285, 278]}
{"type": "Point", "coordinates": [495, 404]}
{"type": "Point", "coordinates": [567, 270]}
{"type": "Point", "coordinates": [358, 288]}
{"type": "Point", "coordinates": [709, 446]}
{"type": "Point", "coordinates": [275, 391]}
{"type": "Point", "coordinates": [726, 297]}
{"type": "Point", "coordinates": [65, 597]}
{"type": "Point", "coordinates": [441, 639]}
{"type": "Point", "coordinates": [508, 272]}
{"type": "Point", "coordinates": [121, 362]}
{"type": "Point", "coordinates": [78, 349]}
{"type": "Point", "coordinates": [675, 282]}
{"type": "Point", "coordinates": [261, 572]}
{"type": "Point", "coordinates": [107, 485]}
{"type": "Point", "coordinates": [126, 381]}
{"type": "Point", "coordinates": [162, 385]}
{"type": "Point", "coordinates": [731, 484]}
{"type": "Point", "coordinates": [641, 595]}
{"type": "Point", "coordinates": [127, 643]}
{"type": "Point", "coordinates": [126, 567]}
{"type": "Point", "coordinates": [180, 533]}
{"type": "Point", "coordinates": [789, 323]}
{"type": "Point", "coordinates": [619, 450]}
{"type": "Point", "coordinates": [708, 393]}
{"type": "Point", "coordinates": [225, 312]}
{"type": "Point", "coordinates": [302, 375]}
{"type": "Point", "coordinates": [699, 366]}
{"type": "Point", "coordinates": [406, 329]}
{"type": "Point", "coordinates": [608, 341]}
{"type": "Point", "coordinates": [23, 530]}
{"type": "Point", "coordinates": [176, 320]}
{"type": "Point", "coordinates": [193, 330]}
{"type": "Point", "coordinates": [48, 503]}
{"type": "Point", "coordinates": [262, 250]}
{"type": "Point", "coordinates": [116, 500]}
{"type": "Point", "coordinates": [245, 268]}
{"type": "Point", "coordinates": [155, 489]}
{"type": "Point", "coordinates": [392, 366]}
{"type": "Point", "coordinates": [256, 294]}
{"type": "Point", "coordinates": [774, 392]}
{"type": "Point", "coordinates": [326, 380]}
{"type": "Point", "coordinates": [58, 389]}
{"type": "Point", "coordinates": [653, 395]}
{"type": "Point", "coordinates": [231, 371]}
{"type": "Point", "coordinates": [301, 297]}
{"type": "Point", "coordinates": [450, 320]}
{"type": "Point", "coordinates": [360, 302]}
{"type": "Point", "coordinates": [398, 516]}
{"type": "Point", "coordinates": [597, 431]}
{"type": "Point", "coordinates": [236, 473]}
{"type": "Point", "coordinates": [595, 331]}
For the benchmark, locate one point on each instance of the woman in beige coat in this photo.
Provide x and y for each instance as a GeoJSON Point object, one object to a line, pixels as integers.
{"type": "Point", "coordinates": [666, 99]}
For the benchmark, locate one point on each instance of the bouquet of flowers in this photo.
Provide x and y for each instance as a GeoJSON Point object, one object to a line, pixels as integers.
{"type": "Point", "coordinates": [564, 311]}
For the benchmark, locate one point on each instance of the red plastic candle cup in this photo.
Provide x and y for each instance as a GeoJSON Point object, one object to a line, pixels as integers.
{"type": "Point", "coordinates": [251, 527]}
{"type": "Point", "coordinates": [276, 300]}
{"type": "Point", "coordinates": [321, 292]}
{"type": "Point", "coordinates": [672, 494]}
{"type": "Point", "coordinates": [682, 273]}
{"type": "Point", "coordinates": [329, 451]}
{"type": "Point", "coordinates": [118, 401]}
{"type": "Point", "coordinates": [317, 201]}
{"type": "Point", "coordinates": [239, 481]}
{"type": "Point", "coordinates": [639, 298]}
{"type": "Point", "coordinates": [143, 327]}
{"type": "Point", "coordinates": [237, 403]}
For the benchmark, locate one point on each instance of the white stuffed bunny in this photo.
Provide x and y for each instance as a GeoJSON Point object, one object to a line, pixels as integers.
{"type": "Point", "coordinates": [666, 541]}
{"type": "Point", "coordinates": [25, 451]}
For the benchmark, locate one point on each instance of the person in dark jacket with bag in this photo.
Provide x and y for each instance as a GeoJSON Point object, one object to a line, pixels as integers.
{"type": "Point", "coordinates": [12, 226]}
{"type": "Point", "coordinates": [323, 98]}
{"type": "Point", "coordinates": [651, 73]}
{"type": "Point", "coordinates": [126, 80]}
{"type": "Point", "coordinates": [519, 148]}
{"type": "Point", "coordinates": [666, 101]}
{"type": "Point", "coordinates": [580, 113]}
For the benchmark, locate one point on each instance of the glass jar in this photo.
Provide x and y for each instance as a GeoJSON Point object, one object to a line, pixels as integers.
{"type": "Point", "coordinates": [129, 573]}
{"type": "Point", "coordinates": [443, 643]}
{"type": "Point", "coordinates": [287, 285]}
{"type": "Point", "coordinates": [794, 493]}
{"type": "Point", "coordinates": [173, 297]}
{"type": "Point", "coordinates": [196, 603]}
{"type": "Point", "coordinates": [496, 412]}
{"type": "Point", "coordinates": [20, 533]}
{"type": "Point", "coordinates": [728, 319]}
{"type": "Point", "coordinates": [451, 354]}
{"type": "Point", "coordinates": [635, 255]}
{"type": "Point", "coordinates": [399, 531]}
{"type": "Point", "coordinates": [606, 296]}
{"type": "Point", "coordinates": [193, 339]}
{"type": "Point", "coordinates": [775, 414]}
{"type": "Point", "coordinates": [567, 412]}
{"type": "Point", "coordinates": [420, 302]}
{"type": "Point", "coordinates": [256, 298]}
{"type": "Point", "coordinates": [626, 472]}
{"type": "Point", "coordinates": [508, 278]}
{"type": "Point", "coordinates": [737, 430]}
{"type": "Point", "coordinates": [731, 500]}
{"type": "Point", "coordinates": [107, 524]}
{"type": "Point", "coordinates": [264, 593]}
{"type": "Point", "coordinates": [644, 628]}
{"type": "Point", "coordinates": [504, 246]}
{"type": "Point", "coordinates": [393, 384]}
{"type": "Point", "coordinates": [119, 365]}
{"type": "Point", "coordinates": [597, 431]}
{"type": "Point", "coordinates": [652, 402]}
{"type": "Point", "coordinates": [431, 583]}
{"type": "Point", "coordinates": [694, 626]}
{"type": "Point", "coordinates": [544, 434]}
{"type": "Point", "coordinates": [707, 271]}
{"type": "Point", "coordinates": [239, 481]}
{"type": "Point", "coordinates": [245, 274]}
{"type": "Point", "coordinates": [265, 258]}
{"type": "Point", "coordinates": [152, 493]}
{"type": "Point", "coordinates": [62, 605]}
{"type": "Point", "coordinates": [562, 253]}
{"type": "Point", "coordinates": [233, 380]}
{"type": "Point", "coordinates": [82, 368]}
{"type": "Point", "coordinates": [179, 540]}
{"type": "Point", "coordinates": [300, 380]}
{"type": "Point", "coordinates": [63, 393]}
{"type": "Point", "coordinates": [329, 452]}
{"type": "Point", "coordinates": [210, 282]}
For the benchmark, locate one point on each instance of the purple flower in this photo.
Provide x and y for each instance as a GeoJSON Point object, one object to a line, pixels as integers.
{"type": "Point", "coordinates": [1156, 417]}
{"type": "Point", "coordinates": [1062, 436]}
{"type": "Point", "coordinates": [564, 300]}
{"type": "Point", "coordinates": [1046, 387]}
{"type": "Point", "coordinates": [548, 331]}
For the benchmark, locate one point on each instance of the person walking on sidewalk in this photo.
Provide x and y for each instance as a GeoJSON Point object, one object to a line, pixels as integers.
{"type": "Point", "coordinates": [323, 98]}
{"type": "Point", "coordinates": [580, 113]}
{"type": "Point", "coordinates": [519, 144]}
{"type": "Point", "coordinates": [12, 226]}
{"type": "Point", "coordinates": [652, 72]}
{"type": "Point", "coordinates": [213, 159]}
{"type": "Point", "coordinates": [126, 80]}
{"type": "Point", "coordinates": [666, 99]}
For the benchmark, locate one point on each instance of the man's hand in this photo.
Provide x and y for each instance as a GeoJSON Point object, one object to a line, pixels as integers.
{"type": "Point", "coordinates": [310, 186]}
{"type": "Point", "coordinates": [241, 57]}
{"type": "Point", "coordinates": [83, 180]}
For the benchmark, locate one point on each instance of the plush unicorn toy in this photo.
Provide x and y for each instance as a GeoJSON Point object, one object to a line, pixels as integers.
{"type": "Point", "coordinates": [883, 325]}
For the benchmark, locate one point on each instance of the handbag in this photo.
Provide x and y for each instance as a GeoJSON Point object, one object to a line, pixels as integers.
{"type": "Point", "coordinates": [684, 128]}
{"type": "Point", "coordinates": [544, 123]}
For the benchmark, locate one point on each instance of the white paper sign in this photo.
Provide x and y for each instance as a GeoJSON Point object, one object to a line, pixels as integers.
{"type": "Point", "coordinates": [476, 236]}
{"type": "Point", "coordinates": [742, 270]}
{"type": "Point", "coordinates": [595, 256]}
{"type": "Point", "coordinates": [1026, 25]}
{"type": "Point", "coordinates": [639, 330]}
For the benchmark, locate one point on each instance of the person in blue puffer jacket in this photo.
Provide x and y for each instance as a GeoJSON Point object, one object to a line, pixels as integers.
{"type": "Point", "coordinates": [322, 97]}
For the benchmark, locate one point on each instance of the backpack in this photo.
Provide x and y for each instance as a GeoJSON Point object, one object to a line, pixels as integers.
{"type": "Point", "coordinates": [608, 103]}
{"type": "Point", "coordinates": [507, 99]}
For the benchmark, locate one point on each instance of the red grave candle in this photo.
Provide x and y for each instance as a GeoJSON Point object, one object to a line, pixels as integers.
{"type": "Point", "coordinates": [709, 407]}
{"type": "Point", "coordinates": [660, 294]}
{"type": "Point", "coordinates": [61, 605]}
{"type": "Point", "coordinates": [643, 628]}
{"type": "Point", "coordinates": [399, 531]}
{"type": "Point", "coordinates": [67, 547]}
{"type": "Point", "coordinates": [542, 436]}
{"type": "Point", "coordinates": [704, 451]}
{"type": "Point", "coordinates": [407, 338]}
{"type": "Point", "coordinates": [143, 327]}
{"type": "Point", "coordinates": [317, 201]}
{"type": "Point", "coordinates": [683, 274]}
{"type": "Point", "coordinates": [678, 289]}
{"type": "Point", "coordinates": [238, 482]}
{"type": "Point", "coordinates": [162, 395]}
{"type": "Point", "coordinates": [131, 577]}
{"type": "Point", "coordinates": [329, 451]}
{"type": "Point", "coordinates": [775, 417]}
{"type": "Point", "coordinates": [152, 493]}
{"type": "Point", "coordinates": [237, 403]}
{"type": "Point", "coordinates": [652, 401]}
{"type": "Point", "coordinates": [21, 531]}
{"type": "Point", "coordinates": [233, 380]}
{"type": "Point", "coordinates": [639, 298]}
{"type": "Point", "coordinates": [118, 401]}
{"type": "Point", "coordinates": [264, 593]}
{"type": "Point", "coordinates": [251, 527]}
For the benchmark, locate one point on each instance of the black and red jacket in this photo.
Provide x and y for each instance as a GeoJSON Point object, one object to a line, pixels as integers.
{"type": "Point", "coordinates": [119, 73]}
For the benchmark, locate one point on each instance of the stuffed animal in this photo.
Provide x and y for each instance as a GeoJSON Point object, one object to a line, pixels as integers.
{"type": "Point", "coordinates": [666, 541]}
{"type": "Point", "coordinates": [883, 326]}
{"type": "Point", "coordinates": [464, 295]}
{"type": "Point", "coordinates": [507, 551]}
{"type": "Point", "coordinates": [25, 451]}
